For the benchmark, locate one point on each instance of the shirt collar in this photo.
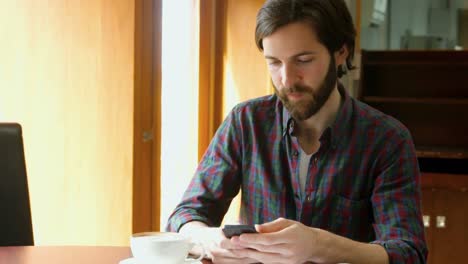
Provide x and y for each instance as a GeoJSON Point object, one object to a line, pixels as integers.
{"type": "Point", "coordinates": [336, 131]}
{"type": "Point", "coordinates": [288, 121]}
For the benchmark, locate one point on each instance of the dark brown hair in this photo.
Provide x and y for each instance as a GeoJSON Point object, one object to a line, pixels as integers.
{"type": "Point", "coordinates": [330, 19]}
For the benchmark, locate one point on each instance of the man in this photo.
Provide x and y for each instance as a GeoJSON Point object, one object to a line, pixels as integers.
{"type": "Point", "coordinates": [327, 178]}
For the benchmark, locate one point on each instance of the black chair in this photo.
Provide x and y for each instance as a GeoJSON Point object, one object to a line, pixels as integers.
{"type": "Point", "coordinates": [15, 211]}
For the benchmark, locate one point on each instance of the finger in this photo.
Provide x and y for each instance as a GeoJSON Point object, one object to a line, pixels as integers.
{"type": "Point", "coordinates": [272, 248]}
{"type": "Point", "coordinates": [263, 257]}
{"type": "Point", "coordinates": [227, 256]}
{"type": "Point", "coordinates": [278, 248]}
{"type": "Point", "coordinates": [220, 252]}
{"type": "Point", "coordinates": [274, 226]}
{"type": "Point", "coordinates": [279, 237]}
{"type": "Point", "coordinates": [234, 243]}
{"type": "Point", "coordinates": [221, 260]}
{"type": "Point", "coordinates": [228, 244]}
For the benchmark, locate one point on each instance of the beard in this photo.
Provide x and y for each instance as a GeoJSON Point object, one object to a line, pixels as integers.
{"type": "Point", "coordinates": [312, 100]}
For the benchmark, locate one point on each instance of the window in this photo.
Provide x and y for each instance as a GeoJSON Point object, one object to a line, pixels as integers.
{"type": "Point", "coordinates": [179, 147]}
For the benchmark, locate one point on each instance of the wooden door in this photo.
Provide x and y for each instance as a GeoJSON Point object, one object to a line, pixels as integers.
{"type": "Point", "coordinates": [450, 232]}
{"type": "Point", "coordinates": [445, 201]}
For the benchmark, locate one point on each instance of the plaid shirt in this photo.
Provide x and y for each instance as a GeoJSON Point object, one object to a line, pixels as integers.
{"type": "Point", "coordinates": [363, 182]}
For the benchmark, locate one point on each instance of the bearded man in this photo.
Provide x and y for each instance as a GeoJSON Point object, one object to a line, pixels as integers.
{"type": "Point", "coordinates": [324, 177]}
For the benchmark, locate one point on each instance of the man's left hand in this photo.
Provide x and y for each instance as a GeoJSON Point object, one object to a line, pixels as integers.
{"type": "Point", "coordinates": [280, 241]}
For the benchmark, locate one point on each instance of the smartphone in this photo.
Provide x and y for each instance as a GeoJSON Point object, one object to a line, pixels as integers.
{"type": "Point", "coordinates": [236, 230]}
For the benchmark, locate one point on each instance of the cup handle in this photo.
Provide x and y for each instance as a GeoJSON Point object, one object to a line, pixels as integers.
{"type": "Point", "coordinates": [202, 255]}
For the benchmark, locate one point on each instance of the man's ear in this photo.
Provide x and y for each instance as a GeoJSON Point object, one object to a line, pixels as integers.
{"type": "Point", "coordinates": [341, 55]}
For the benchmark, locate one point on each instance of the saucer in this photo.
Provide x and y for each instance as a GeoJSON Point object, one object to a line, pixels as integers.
{"type": "Point", "coordinates": [135, 261]}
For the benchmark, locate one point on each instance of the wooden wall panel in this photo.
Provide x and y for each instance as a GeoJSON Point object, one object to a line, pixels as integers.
{"type": "Point", "coordinates": [245, 72]}
{"type": "Point", "coordinates": [67, 76]}
{"type": "Point", "coordinates": [210, 72]}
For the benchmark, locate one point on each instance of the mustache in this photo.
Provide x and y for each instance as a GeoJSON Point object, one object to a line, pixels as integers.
{"type": "Point", "coordinates": [297, 89]}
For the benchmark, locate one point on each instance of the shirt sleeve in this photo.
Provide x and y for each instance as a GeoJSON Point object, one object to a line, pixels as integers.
{"type": "Point", "coordinates": [396, 201]}
{"type": "Point", "coordinates": [216, 181]}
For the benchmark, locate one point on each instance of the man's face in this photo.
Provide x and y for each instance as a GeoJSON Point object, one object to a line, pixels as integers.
{"type": "Point", "coordinates": [301, 68]}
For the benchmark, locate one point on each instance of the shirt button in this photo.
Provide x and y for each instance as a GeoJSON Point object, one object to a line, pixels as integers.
{"type": "Point", "coordinates": [295, 153]}
{"type": "Point", "coordinates": [315, 160]}
{"type": "Point", "coordinates": [309, 198]}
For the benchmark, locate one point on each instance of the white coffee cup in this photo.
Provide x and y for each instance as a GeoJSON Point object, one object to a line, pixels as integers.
{"type": "Point", "coordinates": [161, 247]}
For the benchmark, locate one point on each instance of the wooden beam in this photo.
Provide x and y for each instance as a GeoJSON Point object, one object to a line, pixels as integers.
{"type": "Point", "coordinates": [147, 117]}
{"type": "Point", "coordinates": [212, 28]}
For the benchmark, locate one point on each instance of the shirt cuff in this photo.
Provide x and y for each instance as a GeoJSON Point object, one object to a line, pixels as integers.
{"type": "Point", "coordinates": [399, 252]}
{"type": "Point", "coordinates": [176, 222]}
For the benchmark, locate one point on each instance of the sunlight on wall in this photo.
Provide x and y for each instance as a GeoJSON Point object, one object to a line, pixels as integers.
{"type": "Point", "coordinates": [179, 101]}
{"type": "Point", "coordinates": [231, 97]}
{"type": "Point", "coordinates": [66, 75]}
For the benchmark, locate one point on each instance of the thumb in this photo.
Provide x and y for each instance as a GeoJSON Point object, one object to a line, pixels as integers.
{"type": "Point", "coordinates": [274, 226]}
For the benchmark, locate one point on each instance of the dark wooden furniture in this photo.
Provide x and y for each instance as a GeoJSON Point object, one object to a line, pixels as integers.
{"type": "Point", "coordinates": [15, 220]}
{"type": "Point", "coordinates": [428, 92]}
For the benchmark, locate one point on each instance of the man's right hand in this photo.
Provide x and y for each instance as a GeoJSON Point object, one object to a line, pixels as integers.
{"type": "Point", "coordinates": [217, 247]}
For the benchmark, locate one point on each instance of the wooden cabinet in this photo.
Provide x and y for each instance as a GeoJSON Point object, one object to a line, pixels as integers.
{"type": "Point", "coordinates": [445, 213]}
{"type": "Point", "coordinates": [428, 92]}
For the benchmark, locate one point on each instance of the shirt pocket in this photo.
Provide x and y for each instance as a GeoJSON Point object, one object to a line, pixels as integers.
{"type": "Point", "coordinates": [350, 218]}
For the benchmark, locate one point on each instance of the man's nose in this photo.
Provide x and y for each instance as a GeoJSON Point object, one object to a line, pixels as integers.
{"type": "Point", "coordinates": [288, 76]}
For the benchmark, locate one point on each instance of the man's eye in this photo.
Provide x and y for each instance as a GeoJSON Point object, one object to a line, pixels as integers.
{"type": "Point", "coordinates": [304, 61]}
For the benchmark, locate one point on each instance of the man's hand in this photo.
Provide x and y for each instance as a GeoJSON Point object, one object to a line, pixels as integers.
{"type": "Point", "coordinates": [217, 247]}
{"type": "Point", "coordinates": [280, 241]}
{"type": "Point", "coordinates": [286, 241]}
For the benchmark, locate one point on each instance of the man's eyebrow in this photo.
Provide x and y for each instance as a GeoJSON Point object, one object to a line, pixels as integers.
{"type": "Point", "coordinates": [293, 56]}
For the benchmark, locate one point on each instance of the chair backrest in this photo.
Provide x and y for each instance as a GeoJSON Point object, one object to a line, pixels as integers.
{"type": "Point", "coordinates": [15, 211]}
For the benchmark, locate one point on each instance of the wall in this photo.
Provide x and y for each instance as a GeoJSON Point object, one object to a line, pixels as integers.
{"type": "Point", "coordinates": [421, 17]}
{"type": "Point", "coordinates": [372, 37]}
{"type": "Point", "coordinates": [245, 72]}
{"type": "Point", "coordinates": [67, 76]}
{"type": "Point", "coordinates": [408, 14]}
